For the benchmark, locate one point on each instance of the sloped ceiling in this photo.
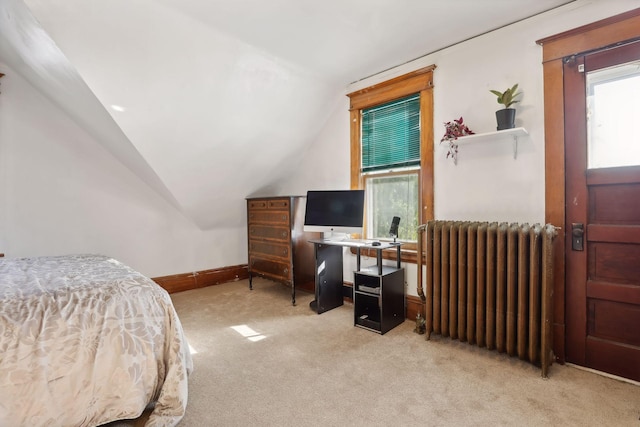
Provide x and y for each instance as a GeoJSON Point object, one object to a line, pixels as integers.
{"type": "Point", "coordinates": [209, 101]}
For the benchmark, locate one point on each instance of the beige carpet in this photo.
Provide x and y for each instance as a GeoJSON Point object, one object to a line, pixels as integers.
{"type": "Point", "coordinates": [262, 362]}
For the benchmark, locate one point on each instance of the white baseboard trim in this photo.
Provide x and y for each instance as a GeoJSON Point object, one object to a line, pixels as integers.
{"type": "Point", "coordinates": [604, 374]}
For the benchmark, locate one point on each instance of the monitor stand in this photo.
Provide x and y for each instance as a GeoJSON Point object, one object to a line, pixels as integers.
{"type": "Point", "coordinates": [332, 235]}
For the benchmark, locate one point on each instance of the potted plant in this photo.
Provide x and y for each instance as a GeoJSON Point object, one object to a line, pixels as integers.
{"type": "Point", "coordinates": [506, 117]}
{"type": "Point", "coordinates": [453, 130]}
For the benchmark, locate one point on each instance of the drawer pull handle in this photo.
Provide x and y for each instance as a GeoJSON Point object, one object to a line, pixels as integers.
{"type": "Point", "coordinates": [286, 270]}
{"type": "Point", "coordinates": [284, 234]}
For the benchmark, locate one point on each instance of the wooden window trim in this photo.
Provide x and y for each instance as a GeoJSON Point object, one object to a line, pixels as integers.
{"type": "Point", "coordinates": [418, 81]}
{"type": "Point", "coordinates": [597, 35]}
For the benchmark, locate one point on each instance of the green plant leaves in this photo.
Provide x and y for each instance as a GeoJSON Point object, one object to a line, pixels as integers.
{"type": "Point", "coordinates": [507, 98]}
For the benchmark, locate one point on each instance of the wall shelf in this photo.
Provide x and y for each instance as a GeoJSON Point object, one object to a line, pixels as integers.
{"type": "Point", "coordinates": [506, 134]}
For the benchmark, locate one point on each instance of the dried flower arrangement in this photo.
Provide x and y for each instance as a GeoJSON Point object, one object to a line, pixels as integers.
{"type": "Point", "coordinates": [454, 130]}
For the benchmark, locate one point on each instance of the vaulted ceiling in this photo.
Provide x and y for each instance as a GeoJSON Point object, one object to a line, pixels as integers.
{"type": "Point", "coordinates": [209, 101]}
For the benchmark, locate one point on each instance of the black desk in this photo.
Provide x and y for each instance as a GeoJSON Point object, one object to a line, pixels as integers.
{"type": "Point", "coordinates": [329, 268]}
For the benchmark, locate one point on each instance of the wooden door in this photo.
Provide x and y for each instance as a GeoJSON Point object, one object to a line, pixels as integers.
{"type": "Point", "coordinates": [603, 211]}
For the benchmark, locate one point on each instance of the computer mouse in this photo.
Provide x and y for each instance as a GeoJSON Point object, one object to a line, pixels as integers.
{"type": "Point", "coordinates": [375, 244]}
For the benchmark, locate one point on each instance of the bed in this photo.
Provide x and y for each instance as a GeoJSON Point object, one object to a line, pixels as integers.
{"type": "Point", "coordinates": [86, 340]}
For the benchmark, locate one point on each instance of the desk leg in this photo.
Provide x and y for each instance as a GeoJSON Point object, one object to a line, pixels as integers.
{"type": "Point", "coordinates": [293, 293]}
{"type": "Point", "coordinates": [358, 258]}
{"type": "Point", "coordinates": [328, 277]}
{"type": "Point", "coordinates": [379, 261]}
{"type": "Point", "coordinates": [398, 257]}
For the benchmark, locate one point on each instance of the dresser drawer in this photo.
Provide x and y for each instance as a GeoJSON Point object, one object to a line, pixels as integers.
{"type": "Point", "coordinates": [263, 231]}
{"type": "Point", "coordinates": [268, 216]}
{"type": "Point", "coordinates": [275, 269]}
{"type": "Point", "coordinates": [258, 204]}
{"type": "Point", "coordinates": [274, 204]}
{"type": "Point", "coordinates": [278, 204]}
{"type": "Point", "coordinates": [269, 249]}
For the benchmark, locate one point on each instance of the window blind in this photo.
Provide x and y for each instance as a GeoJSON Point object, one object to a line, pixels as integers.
{"type": "Point", "coordinates": [391, 134]}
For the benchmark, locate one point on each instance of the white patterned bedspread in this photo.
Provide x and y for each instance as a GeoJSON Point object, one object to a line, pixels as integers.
{"type": "Point", "coordinates": [85, 340]}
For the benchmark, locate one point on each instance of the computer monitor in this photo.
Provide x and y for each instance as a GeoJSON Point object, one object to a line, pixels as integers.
{"type": "Point", "coordinates": [340, 211]}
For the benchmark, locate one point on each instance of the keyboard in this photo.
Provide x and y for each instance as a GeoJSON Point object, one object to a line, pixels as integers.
{"type": "Point", "coordinates": [354, 242]}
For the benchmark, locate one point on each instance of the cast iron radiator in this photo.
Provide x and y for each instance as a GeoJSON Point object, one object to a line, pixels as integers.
{"type": "Point", "coordinates": [491, 285]}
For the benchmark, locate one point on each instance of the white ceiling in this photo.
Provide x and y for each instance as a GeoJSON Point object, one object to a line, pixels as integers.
{"type": "Point", "coordinates": [209, 101]}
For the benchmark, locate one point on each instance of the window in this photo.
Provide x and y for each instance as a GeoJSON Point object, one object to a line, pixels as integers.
{"type": "Point", "coordinates": [613, 102]}
{"type": "Point", "coordinates": [392, 153]}
{"type": "Point", "coordinates": [389, 195]}
{"type": "Point", "coordinates": [390, 138]}
{"type": "Point", "coordinates": [391, 135]}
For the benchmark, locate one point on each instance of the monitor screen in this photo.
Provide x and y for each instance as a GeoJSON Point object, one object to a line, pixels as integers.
{"type": "Point", "coordinates": [339, 211]}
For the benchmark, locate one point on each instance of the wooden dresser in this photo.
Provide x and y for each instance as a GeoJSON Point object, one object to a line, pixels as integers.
{"type": "Point", "coordinates": [278, 247]}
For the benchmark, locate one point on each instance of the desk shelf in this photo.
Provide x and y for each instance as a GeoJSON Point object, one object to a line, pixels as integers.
{"type": "Point", "coordinates": [378, 300]}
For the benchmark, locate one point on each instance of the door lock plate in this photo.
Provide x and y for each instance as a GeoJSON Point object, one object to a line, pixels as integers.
{"type": "Point", "coordinates": [577, 236]}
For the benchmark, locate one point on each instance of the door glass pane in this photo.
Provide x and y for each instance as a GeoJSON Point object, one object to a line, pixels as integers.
{"type": "Point", "coordinates": [613, 116]}
{"type": "Point", "coordinates": [389, 196]}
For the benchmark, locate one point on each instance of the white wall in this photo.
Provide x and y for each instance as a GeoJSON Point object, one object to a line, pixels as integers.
{"type": "Point", "coordinates": [487, 183]}
{"type": "Point", "coordinates": [61, 192]}
{"type": "Point", "coordinates": [326, 163]}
